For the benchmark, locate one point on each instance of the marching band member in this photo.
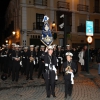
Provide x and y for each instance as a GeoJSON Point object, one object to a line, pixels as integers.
{"type": "Point", "coordinates": [60, 58]}
{"type": "Point", "coordinates": [49, 71]}
{"type": "Point", "coordinates": [16, 55]}
{"type": "Point", "coordinates": [69, 68]}
{"type": "Point", "coordinates": [30, 62]}
{"type": "Point", "coordinates": [24, 60]}
{"type": "Point", "coordinates": [41, 61]}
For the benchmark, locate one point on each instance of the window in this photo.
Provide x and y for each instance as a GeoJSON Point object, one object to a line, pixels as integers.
{"type": "Point", "coordinates": [39, 23]}
{"type": "Point", "coordinates": [40, 2]}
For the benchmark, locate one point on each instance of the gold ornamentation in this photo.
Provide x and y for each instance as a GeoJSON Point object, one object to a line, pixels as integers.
{"type": "Point", "coordinates": [68, 69]}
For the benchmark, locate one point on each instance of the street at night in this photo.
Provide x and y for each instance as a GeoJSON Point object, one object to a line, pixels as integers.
{"type": "Point", "coordinates": [86, 87]}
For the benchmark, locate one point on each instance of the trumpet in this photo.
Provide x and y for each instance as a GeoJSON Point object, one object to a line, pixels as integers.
{"type": "Point", "coordinates": [68, 69]}
{"type": "Point", "coordinates": [31, 59]}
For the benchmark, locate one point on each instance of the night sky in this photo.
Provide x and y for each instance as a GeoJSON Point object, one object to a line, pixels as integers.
{"type": "Point", "coordinates": [3, 8]}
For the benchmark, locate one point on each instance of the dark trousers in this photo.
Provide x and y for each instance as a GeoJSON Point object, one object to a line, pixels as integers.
{"type": "Point", "coordinates": [24, 66]}
{"type": "Point", "coordinates": [15, 70]}
{"type": "Point", "coordinates": [50, 83]}
{"type": "Point", "coordinates": [59, 66]}
{"type": "Point", "coordinates": [29, 69]}
{"type": "Point", "coordinates": [41, 66]}
{"type": "Point", "coordinates": [10, 67]}
{"type": "Point", "coordinates": [68, 87]}
{"type": "Point", "coordinates": [50, 87]}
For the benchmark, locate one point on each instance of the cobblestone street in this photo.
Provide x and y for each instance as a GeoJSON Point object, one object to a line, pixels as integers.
{"type": "Point", "coordinates": [86, 87]}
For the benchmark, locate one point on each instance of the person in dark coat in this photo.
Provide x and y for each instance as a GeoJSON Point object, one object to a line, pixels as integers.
{"type": "Point", "coordinates": [41, 60]}
{"type": "Point", "coordinates": [30, 62]}
{"type": "Point", "coordinates": [59, 58]}
{"type": "Point", "coordinates": [37, 59]}
{"type": "Point", "coordinates": [69, 67]}
{"type": "Point", "coordinates": [85, 57]}
{"type": "Point", "coordinates": [24, 60]}
{"type": "Point", "coordinates": [50, 71]}
{"type": "Point", "coordinates": [10, 65]}
{"type": "Point", "coordinates": [16, 55]}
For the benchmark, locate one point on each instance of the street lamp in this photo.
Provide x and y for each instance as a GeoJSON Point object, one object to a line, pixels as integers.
{"type": "Point", "coordinates": [6, 41]}
{"type": "Point", "coordinates": [13, 32]}
{"type": "Point", "coordinates": [53, 24]}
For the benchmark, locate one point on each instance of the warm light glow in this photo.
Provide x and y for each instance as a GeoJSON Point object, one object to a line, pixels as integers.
{"type": "Point", "coordinates": [6, 41]}
{"type": "Point", "coordinates": [17, 35]}
{"type": "Point", "coordinates": [89, 39]}
{"type": "Point", "coordinates": [53, 24]}
{"type": "Point", "coordinates": [10, 42]}
{"type": "Point", "coordinates": [13, 32]}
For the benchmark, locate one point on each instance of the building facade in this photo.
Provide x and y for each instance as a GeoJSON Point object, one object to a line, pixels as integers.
{"type": "Point", "coordinates": [25, 18]}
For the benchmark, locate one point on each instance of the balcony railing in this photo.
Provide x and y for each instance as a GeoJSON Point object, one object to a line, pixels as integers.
{"type": "Point", "coordinates": [97, 30]}
{"type": "Point", "coordinates": [81, 7]}
{"type": "Point", "coordinates": [38, 26]}
{"type": "Point", "coordinates": [40, 2]}
{"type": "Point", "coordinates": [61, 4]}
{"type": "Point", "coordinates": [81, 28]}
{"type": "Point", "coordinates": [96, 10]}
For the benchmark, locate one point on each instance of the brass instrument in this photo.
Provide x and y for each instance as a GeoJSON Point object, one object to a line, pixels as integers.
{"type": "Point", "coordinates": [68, 70]}
{"type": "Point", "coordinates": [31, 59]}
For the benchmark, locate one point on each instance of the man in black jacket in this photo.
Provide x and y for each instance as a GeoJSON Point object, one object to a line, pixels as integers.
{"type": "Point", "coordinates": [30, 62]}
{"type": "Point", "coordinates": [49, 71]}
{"type": "Point", "coordinates": [69, 68]}
{"type": "Point", "coordinates": [16, 55]}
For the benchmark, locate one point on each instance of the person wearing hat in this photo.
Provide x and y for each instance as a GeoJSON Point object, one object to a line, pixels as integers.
{"type": "Point", "coordinates": [11, 50]}
{"type": "Point", "coordinates": [4, 59]}
{"type": "Point", "coordinates": [36, 58]}
{"type": "Point", "coordinates": [30, 62]}
{"type": "Point", "coordinates": [59, 58]}
{"type": "Point", "coordinates": [41, 61]}
{"type": "Point", "coordinates": [49, 71]}
{"type": "Point", "coordinates": [16, 56]}
{"type": "Point", "coordinates": [24, 60]}
{"type": "Point", "coordinates": [55, 49]}
{"type": "Point", "coordinates": [69, 68]}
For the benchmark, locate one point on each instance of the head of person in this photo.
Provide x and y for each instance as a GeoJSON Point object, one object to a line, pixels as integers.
{"type": "Point", "coordinates": [42, 47]}
{"type": "Point", "coordinates": [13, 45]}
{"type": "Point", "coordinates": [20, 48]}
{"type": "Point", "coordinates": [54, 47]}
{"type": "Point", "coordinates": [85, 47]}
{"type": "Point", "coordinates": [31, 47]}
{"type": "Point", "coordinates": [69, 56]}
{"type": "Point", "coordinates": [68, 47]}
{"type": "Point", "coordinates": [50, 50]}
{"type": "Point", "coordinates": [59, 48]}
{"type": "Point", "coordinates": [25, 49]}
{"type": "Point", "coordinates": [16, 47]}
{"type": "Point", "coordinates": [7, 46]}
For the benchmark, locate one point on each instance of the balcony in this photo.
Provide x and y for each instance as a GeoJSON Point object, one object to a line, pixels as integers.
{"type": "Point", "coordinates": [81, 28]}
{"type": "Point", "coordinates": [96, 10]}
{"type": "Point", "coordinates": [65, 5]}
{"type": "Point", "coordinates": [81, 7]}
{"type": "Point", "coordinates": [97, 30]}
{"type": "Point", "coordinates": [40, 2]}
{"type": "Point", "coordinates": [38, 25]}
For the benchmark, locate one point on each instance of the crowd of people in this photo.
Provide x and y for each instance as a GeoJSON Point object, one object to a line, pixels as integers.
{"type": "Point", "coordinates": [47, 61]}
